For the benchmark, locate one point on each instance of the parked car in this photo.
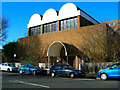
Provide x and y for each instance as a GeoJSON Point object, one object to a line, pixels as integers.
{"type": "Point", "coordinates": [7, 67]}
{"type": "Point", "coordinates": [28, 68]}
{"type": "Point", "coordinates": [65, 70]}
{"type": "Point", "coordinates": [111, 71]}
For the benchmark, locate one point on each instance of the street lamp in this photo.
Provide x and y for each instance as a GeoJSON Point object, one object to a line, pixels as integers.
{"type": "Point", "coordinates": [14, 57]}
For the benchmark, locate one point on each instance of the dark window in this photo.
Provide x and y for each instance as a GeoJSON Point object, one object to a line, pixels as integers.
{"type": "Point", "coordinates": [118, 29]}
{"type": "Point", "coordinates": [35, 30]}
{"type": "Point", "coordinates": [111, 24]}
{"type": "Point", "coordinates": [68, 23]}
{"type": "Point", "coordinates": [50, 27]}
{"type": "Point", "coordinates": [119, 22]}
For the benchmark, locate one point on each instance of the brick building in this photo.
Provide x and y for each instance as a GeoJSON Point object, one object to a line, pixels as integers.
{"type": "Point", "coordinates": [61, 35]}
{"type": "Point", "coordinates": [115, 25]}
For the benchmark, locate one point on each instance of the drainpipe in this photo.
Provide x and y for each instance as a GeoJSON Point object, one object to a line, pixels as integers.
{"type": "Point", "coordinates": [67, 60]}
{"type": "Point", "coordinates": [48, 62]}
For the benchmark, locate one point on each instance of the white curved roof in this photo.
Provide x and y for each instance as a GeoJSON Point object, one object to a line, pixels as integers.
{"type": "Point", "coordinates": [49, 16]}
{"type": "Point", "coordinates": [34, 20]}
{"type": "Point", "coordinates": [68, 10]}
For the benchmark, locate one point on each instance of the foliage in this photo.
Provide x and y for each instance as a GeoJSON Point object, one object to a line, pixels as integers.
{"type": "Point", "coordinates": [102, 46]}
{"type": "Point", "coordinates": [9, 50]}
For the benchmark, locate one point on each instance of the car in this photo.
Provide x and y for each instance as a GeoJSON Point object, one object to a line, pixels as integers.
{"type": "Point", "coordinates": [7, 67]}
{"type": "Point", "coordinates": [111, 71]}
{"type": "Point", "coordinates": [65, 70]}
{"type": "Point", "coordinates": [30, 69]}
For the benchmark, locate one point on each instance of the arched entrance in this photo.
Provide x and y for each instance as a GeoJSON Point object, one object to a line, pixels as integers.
{"type": "Point", "coordinates": [68, 54]}
{"type": "Point", "coordinates": [55, 50]}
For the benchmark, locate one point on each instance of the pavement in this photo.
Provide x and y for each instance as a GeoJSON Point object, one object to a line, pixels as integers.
{"type": "Point", "coordinates": [16, 80]}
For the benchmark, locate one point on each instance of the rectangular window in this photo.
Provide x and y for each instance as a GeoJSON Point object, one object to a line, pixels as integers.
{"type": "Point", "coordinates": [118, 29]}
{"type": "Point", "coordinates": [50, 27]}
{"type": "Point", "coordinates": [111, 24]}
{"type": "Point", "coordinates": [118, 22]}
{"type": "Point", "coordinates": [70, 23]}
{"type": "Point", "coordinates": [35, 31]}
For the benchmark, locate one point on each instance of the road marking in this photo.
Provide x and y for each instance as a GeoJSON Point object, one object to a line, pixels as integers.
{"type": "Point", "coordinates": [84, 79]}
{"type": "Point", "coordinates": [33, 84]}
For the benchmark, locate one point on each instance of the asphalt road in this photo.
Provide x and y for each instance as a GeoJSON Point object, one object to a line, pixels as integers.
{"type": "Point", "coordinates": [15, 80]}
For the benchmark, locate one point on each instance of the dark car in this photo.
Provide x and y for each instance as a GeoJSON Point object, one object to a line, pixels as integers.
{"type": "Point", "coordinates": [15, 69]}
{"type": "Point", "coordinates": [112, 71]}
{"type": "Point", "coordinates": [64, 70]}
{"type": "Point", "coordinates": [28, 68]}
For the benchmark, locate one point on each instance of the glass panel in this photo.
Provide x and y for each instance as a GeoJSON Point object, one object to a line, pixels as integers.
{"type": "Point", "coordinates": [75, 22]}
{"type": "Point", "coordinates": [61, 25]}
{"type": "Point", "coordinates": [72, 24]}
{"type": "Point", "coordinates": [64, 25]}
{"type": "Point", "coordinates": [119, 22]}
{"type": "Point", "coordinates": [68, 23]}
{"type": "Point", "coordinates": [45, 28]}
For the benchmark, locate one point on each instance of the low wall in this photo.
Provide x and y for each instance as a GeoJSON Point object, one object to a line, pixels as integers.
{"type": "Point", "coordinates": [94, 67]}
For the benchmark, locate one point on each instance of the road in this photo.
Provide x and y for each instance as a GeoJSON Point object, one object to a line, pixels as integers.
{"type": "Point", "coordinates": [15, 80]}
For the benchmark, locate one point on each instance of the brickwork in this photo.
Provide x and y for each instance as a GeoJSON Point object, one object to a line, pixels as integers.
{"type": "Point", "coordinates": [114, 27]}
{"type": "Point", "coordinates": [73, 36]}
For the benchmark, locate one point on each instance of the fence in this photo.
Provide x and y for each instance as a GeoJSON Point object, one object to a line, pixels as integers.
{"type": "Point", "coordinates": [93, 67]}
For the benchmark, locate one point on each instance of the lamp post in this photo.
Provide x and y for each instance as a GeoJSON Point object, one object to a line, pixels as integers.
{"type": "Point", "coordinates": [14, 57]}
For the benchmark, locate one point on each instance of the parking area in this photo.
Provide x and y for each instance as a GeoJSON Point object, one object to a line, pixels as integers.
{"type": "Point", "coordinates": [16, 80]}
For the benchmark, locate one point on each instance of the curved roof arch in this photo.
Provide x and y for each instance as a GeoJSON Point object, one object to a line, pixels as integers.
{"type": "Point", "coordinates": [34, 20]}
{"type": "Point", "coordinates": [55, 48]}
{"type": "Point", "coordinates": [49, 16]}
{"type": "Point", "coordinates": [68, 10]}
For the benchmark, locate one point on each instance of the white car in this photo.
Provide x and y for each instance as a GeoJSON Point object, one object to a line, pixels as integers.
{"type": "Point", "coordinates": [6, 67]}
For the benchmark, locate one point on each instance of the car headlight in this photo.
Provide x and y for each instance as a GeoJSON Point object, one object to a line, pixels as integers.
{"type": "Point", "coordinates": [100, 70]}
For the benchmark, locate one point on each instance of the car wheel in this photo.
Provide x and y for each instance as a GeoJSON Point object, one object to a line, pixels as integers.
{"type": "Point", "coordinates": [103, 76]}
{"type": "Point", "coordinates": [72, 75]}
{"type": "Point", "coordinates": [8, 70]}
{"type": "Point", "coordinates": [53, 74]}
{"type": "Point", "coordinates": [34, 72]}
{"type": "Point", "coordinates": [21, 72]}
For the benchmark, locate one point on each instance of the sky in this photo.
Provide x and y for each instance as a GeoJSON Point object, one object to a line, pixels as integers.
{"type": "Point", "coordinates": [19, 14]}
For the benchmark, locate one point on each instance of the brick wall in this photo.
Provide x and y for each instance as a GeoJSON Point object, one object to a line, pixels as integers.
{"type": "Point", "coordinates": [72, 36]}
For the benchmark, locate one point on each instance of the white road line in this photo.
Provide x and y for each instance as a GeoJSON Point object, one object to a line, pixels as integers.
{"type": "Point", "coordinates": [84, 79]}
{"type": "Point", "coordinates": [33, 84]}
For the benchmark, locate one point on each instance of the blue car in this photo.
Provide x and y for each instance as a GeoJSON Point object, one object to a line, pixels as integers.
{"type": "Point", "coordinates": [28, 68]}
{"type": "Point", "coordinates": [112, 71]}
{"type": "Point", "coordinates": [64, 70]}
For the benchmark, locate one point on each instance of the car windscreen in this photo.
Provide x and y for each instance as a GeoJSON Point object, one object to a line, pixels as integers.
{"type": "Point", "coordinates": [10, 64]}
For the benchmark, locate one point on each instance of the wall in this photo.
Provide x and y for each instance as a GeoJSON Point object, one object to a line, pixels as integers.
{"type": "Point", "coordinates": [39, 44]}
{"type": "Point", "coordinates": [94, 67]}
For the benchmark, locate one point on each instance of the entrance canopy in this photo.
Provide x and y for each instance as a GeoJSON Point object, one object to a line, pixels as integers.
{"type": "Point", "coordinates": [55, 49]}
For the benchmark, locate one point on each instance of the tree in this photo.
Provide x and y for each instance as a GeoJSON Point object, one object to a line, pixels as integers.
{"type": "Point", "coordinates": [101, 45]}
{"type": "Point", "coordinates": [3, 26]}
{"type": "Point", "coordinates": [8, 51]}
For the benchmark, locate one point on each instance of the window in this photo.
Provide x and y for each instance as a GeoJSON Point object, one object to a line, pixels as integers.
{"type": "Point", "coordinates": [35, 31]}
{"type": "Point", "coordinates": [50, 27]}
{"type": "Point", "coordinates": [68, 23]}
{"type": "Point", "coordinates": [111, 24]}
{"type": "Point", "coordinates": [118, 29]}
{"type": "Point", "coordinates": [115, 66]}
{"type": "Point", "coordinates": [118, 22]}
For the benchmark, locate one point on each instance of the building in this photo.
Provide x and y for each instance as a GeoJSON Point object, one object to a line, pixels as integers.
{"type": "Point", "coordinates": [60, 36]}
{"type": "Point", "coordinates": [115, 25]}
